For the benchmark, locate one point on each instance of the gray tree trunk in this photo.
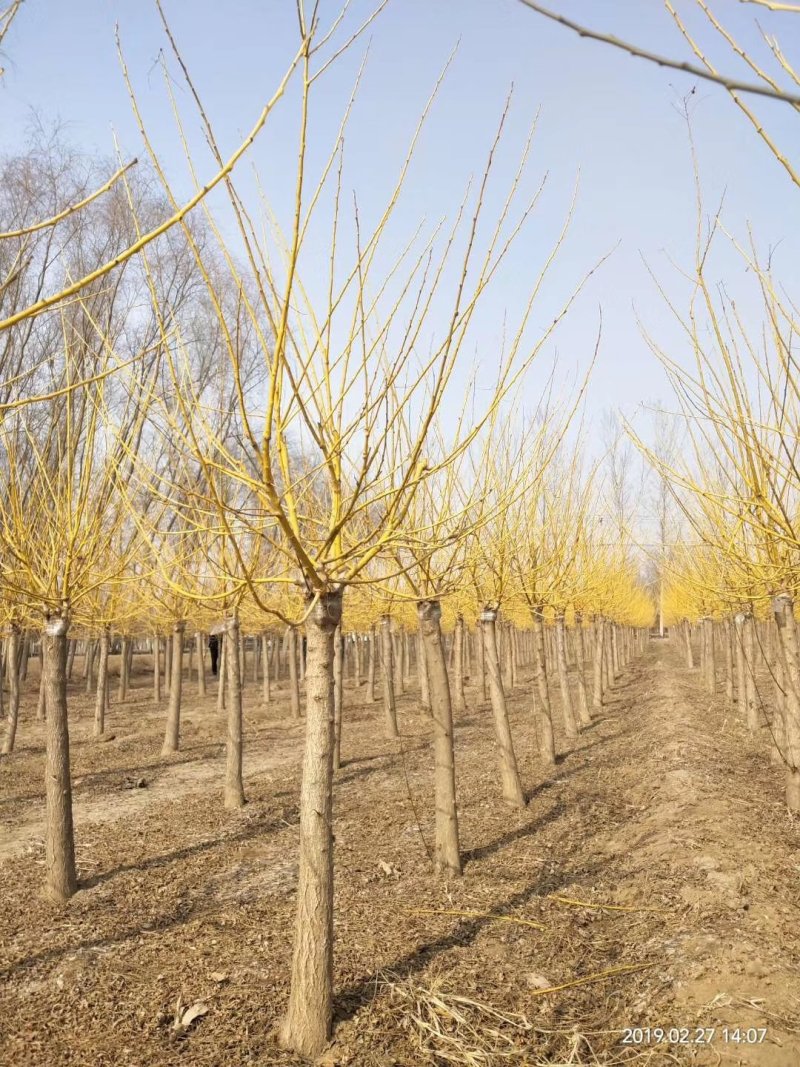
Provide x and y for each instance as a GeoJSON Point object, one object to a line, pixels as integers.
{"type": "Point", "coordinates": [306, 1026]}
{"type": "Point", "coordinates": [448, 859]}
{"type": "Point", "coordinates": [234, 786]}
{"type": "Point", "coordinates": [710, 674]}
{"type": "Point", "coordinates": [387, 672]}
{"type": "Point", "coordinates": [567, 711]}
{"type": "Point", "coordinates": [599, 659]}
{"type": "Point", "coordinates": [201, 665]}
{"type": "Point", "coordinates": [459, 698]}
{"type": "Point", "coordinates": [749, 675]}
{"type": "Point", "coordinates": [102, 685]}
{"type": "Point", "coordinates": [222, 672]}
{"type": "Point", "coordinates": [294, 683]}
{"type": "Point", "coordinates": [122, 693]}
{"type": "Point", "coordinates": [62, 880]}
{"type": "Point", "coordinates": [172, 732]}
{"type": "Point", "coordinates": [266, 695]}
{"type": "Point", "coordinates": [12, 715]}
{"type": "Point", "coordinates": [783, 608]}
{"type": "Point", "coordinates": [584, 714]}
{"type": "Point", "coordinates": [338, 664]}
{"type": "Point", "coordinates": [509, 774]}
{"type": "Point", "coordinates": [373, 658]}
{"type": "Point", "coordinates": [156, 668]}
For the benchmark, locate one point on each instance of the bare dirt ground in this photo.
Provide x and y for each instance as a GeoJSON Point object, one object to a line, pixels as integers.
{"type": "Point", "coordinates": [658, 860]}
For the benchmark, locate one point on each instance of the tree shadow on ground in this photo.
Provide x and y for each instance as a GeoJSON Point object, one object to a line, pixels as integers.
{"type": "Point", "coordinates": [178, 917]}
{"type": "Point", "coordinates": [183, 913]}
{"type": "Point", "coordinates": [255, 829]}
{"type": "Point", "coordinates": [471, 855]}
{"type": "Point", "coordinates": [549, 782]}
{"type": "Point", "coordinates": [387, 760]}
{"type": "Point", "coordinates": [360, 992]}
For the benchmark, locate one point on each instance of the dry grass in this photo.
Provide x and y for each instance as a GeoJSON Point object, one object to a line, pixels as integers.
{"type": "Point", "coordinates": [454, 1029]}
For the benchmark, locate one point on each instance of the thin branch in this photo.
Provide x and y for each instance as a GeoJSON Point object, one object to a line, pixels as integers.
{"type": "Point", "coordinates": [733, 85]}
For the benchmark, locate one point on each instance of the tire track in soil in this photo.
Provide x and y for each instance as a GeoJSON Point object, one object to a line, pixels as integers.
{"type": "Point", "coordinates": [709, 841]}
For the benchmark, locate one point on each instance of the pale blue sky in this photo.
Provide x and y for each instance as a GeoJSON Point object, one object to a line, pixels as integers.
{"type": "Point", "coordinates": [613, 118]}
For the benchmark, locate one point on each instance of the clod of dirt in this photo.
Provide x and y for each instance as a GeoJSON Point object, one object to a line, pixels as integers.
{"type": "Point", "coordinates": [135, 783]}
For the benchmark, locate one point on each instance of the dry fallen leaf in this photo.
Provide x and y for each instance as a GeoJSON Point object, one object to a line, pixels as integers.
{"type": "Point", "coordinates": [185, 1017]}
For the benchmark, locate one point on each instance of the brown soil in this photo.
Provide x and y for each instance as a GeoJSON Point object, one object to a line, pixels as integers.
{"type": "Point", "coordinates": [666, 817]}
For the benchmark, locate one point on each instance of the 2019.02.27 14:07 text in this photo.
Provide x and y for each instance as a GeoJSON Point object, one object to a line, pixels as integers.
{"type": "Point", "coordinates": [693, 1035]}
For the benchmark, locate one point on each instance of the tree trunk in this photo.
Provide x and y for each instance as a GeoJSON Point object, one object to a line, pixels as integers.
{"type": "Point", "coordinates": [266, 696]}
{"type": "Point", "coordinates": [172, 733]}
{"type": "Point", "coordinates": [509, 774]}
{"type": "Point", "coordinates": [749, 675]}
{"type": "Point", "coordinates": [242, 659]}
{"type": "Point", "coordinates": [389, 707]}
{"type": "Point", "coordinates": [608, 659]}
{"type": "Point", "coordinates": [687, 637]}
{"type": "Point", "coordinates": [779, 672]}
{"type": "Point", "coordinates": [543, 710]}
{"type": "Point", "coordinates": [597, 688]}
{"type": "Point", "coordinates": [122, 693]}
{"type": "Point", "coordinates": [481, 663]}
{"type": "Point", "coordinates": [275, 659]}
{"type": "Point", "coordinates": [201, 665]}
{"type": "Point", "coordinates": [710, 674]}
{"type": "Point", "coordinates": [357, 662]}
{"type": "Point", "coordinates": [422, 675]}
{"type": "Point", "coordinates": [13, 696]}
{"type": "Point", "coordinates": [294, 683]}
{"type": "Point", "coordinates": [156, 668]}
{"type": "Point", "coordinates": [102, 685]}
{"type": "Point", "coordinates": [783, 608]}
{"type": "Point", "coordinates": [25, 652]}
{"type": "Point", "coordinates": [741, 669]}
{"type": "Point", "coordinates": [398, 663]}
{"type": "Point", "coordinates": [88, 667]}
{"type": "Point", "coordinates": [167, 663]}
{"type": "Point", "coordinates": [727, 637]}
{"type": "Point", "coordinates": [306, 1027]}
{"type": "Point", "coordinates": [372, 658]}
{"type": "Point", "coordinates": [338, 663]}
{"type": "Point", "coordinates": [222, 672]}
{"type": "Point", "coordinates": [584, 714]}
{"type": "Point", "coordinates": [459, 699]}
{"type": "Point", "coordinates": [567, 711]}
{"type": "Point", "coordinates": [448, 860]}
{"type": "Point", "coordinates": [62, 879]}
{"type": "Point", "coordinates": [234, 787]}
